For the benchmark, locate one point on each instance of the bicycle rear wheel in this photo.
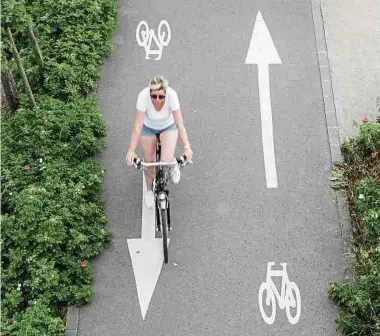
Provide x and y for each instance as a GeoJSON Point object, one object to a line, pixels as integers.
{"type": "Point", "coordinates": [164, 231]}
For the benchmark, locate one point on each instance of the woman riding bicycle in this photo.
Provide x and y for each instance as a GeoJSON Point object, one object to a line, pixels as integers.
{"type": "Point", "coordinates": [158, 112]}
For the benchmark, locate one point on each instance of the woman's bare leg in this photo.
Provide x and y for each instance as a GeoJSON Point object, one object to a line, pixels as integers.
{"type": "Point", "coordinates": [148, 144]}
{"type": "Point", "coordinates": [169, 143]}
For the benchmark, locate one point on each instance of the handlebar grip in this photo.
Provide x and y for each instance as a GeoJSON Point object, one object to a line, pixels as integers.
{"type": "Point", "coordinates": [182, 160]}
{"type": "Point", "coordinates": [137, 162]}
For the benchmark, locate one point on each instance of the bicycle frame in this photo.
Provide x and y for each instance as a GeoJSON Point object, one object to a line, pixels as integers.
{"type": "Point", "coordinates": [161, 193]}
{"type": "Point", "coordinates": [161, 179]}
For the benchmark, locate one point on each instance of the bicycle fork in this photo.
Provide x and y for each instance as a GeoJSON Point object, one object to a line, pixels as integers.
{"type": "Point", "coordinates": [163, 203]}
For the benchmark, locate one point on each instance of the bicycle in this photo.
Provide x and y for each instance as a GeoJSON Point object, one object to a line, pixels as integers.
{"type": "Point", "coordinates": [161, 192]}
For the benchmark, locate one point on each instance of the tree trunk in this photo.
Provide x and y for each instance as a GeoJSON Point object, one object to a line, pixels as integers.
{"type": "Point", "coordinates": [36, 47]}
{"type": "Point", "coordinates": [9, 93]}
{"type": "Point", "coordinates": [21, 68]}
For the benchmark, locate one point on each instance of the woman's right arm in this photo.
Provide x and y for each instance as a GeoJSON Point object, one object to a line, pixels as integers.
{"type": "Point", "coordinates": [139, 119]}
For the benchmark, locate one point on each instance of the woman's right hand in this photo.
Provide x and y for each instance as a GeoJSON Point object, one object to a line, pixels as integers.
{"type": "Point", "coordinates": [129, 157]}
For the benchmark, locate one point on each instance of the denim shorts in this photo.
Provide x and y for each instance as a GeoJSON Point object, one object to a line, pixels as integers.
{"type": "Point", "coordinates": [147, 131]}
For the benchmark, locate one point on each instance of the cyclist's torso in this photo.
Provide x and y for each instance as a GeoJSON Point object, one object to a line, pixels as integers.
{"type": "Point", "coordinates": [162, 118]}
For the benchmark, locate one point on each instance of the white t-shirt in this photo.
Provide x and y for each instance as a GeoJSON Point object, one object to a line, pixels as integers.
{"type": "Point", "coordinates": [162, 118]}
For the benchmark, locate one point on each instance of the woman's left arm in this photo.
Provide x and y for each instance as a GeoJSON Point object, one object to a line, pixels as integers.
{"type": "Point", "coordinates": [178, 118]}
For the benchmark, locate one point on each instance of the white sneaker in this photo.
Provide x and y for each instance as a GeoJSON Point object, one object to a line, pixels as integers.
{"type": "Point", "coordinates": [175, 174]}
{"type": "Point", "coordinates": [149, 198]}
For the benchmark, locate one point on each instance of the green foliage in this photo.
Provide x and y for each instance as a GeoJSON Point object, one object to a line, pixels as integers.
{"type": "Point", "coordinates": [37, 320]}
{"type": "Point", "coordinates": [367, 195]}
{"type": "Point", "coordinates": [73, 36]}
{"type": "Point", "coordinates": [360, 300]}
{"type": "Point", "coordinates": [52, 218]}
{"type": "Point", "coordinates": [358, 318]}
{"type": "Point", "coordinates": [38, 138]}
{"type": "Point", "coordinates": [54, 209]}
{"type": "Point", "coordinates": [359, 175]}
{"type": "Point", "coordinates": [364, 147]}
{"type": "Point", "coordinates": [79, 29]}
{"type": "Point", "coordinates": [361, 157]}
{"type": "Point", "coordinates": [15, 13]}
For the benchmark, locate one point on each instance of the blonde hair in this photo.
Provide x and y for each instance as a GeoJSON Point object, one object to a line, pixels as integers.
{"type": "Point", "coordinates": [158, 83]}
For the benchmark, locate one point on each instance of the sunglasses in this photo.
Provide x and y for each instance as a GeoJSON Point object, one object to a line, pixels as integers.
{"type": "Point", "coordinates": [155, 96]}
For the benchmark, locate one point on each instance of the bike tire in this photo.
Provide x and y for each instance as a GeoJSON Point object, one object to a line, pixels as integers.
{"type": "Point", "coordinates": [164, 231]}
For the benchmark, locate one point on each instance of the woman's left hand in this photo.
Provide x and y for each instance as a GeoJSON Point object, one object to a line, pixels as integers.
{"type": "Point", "coordinates": [189, 154]}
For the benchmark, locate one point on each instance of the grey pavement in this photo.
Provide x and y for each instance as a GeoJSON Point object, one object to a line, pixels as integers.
{"type": "Point", "coordinates": [353, 40]}
{"type": "Point", "coordinates": [227, 224]}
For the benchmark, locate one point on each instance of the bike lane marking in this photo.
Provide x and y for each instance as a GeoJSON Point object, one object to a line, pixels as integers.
{"type": "Point", "coordinates": [262, 52]}
{"type": "Point", "coordinates": [148, 35]}
{"type": "Point", "coordinates": [285, 298]}
{"type": "Point", "coordinates": [147, 256]}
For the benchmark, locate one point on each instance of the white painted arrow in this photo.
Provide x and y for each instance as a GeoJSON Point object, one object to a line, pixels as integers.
{"type": "Point", "coordinates": [263, 52]}
{"type": "Point", "coordinates": [147, 256]}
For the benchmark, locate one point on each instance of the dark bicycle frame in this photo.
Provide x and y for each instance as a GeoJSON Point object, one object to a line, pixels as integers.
{"type": "Point", "coordinates": [160, 187]}
{"type": "Point", "coordinates": [161, 192]}
{"type": "Point", "coordinates": [160, 182]}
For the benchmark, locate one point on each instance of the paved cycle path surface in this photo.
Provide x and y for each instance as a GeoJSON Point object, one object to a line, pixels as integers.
{"type": "Point", "coordinates": [227, 225]}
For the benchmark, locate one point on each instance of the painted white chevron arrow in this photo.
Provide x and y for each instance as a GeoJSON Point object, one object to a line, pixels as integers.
{"type": "Point", "coordinates": [147, 256]}
{"type": "Point", "coordinates": [263, 52]}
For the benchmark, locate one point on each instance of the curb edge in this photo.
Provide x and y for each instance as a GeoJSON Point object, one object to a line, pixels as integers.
{"type": "Point", "coordinates": [331, 118]}
{"type": "Point", "coordinates": [72, 321]}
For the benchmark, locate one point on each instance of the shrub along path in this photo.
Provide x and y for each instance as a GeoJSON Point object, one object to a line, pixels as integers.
{"type": "Point", "coordinates": [53, 220]}
{"type": "Point", "coordinates": [358, 174]}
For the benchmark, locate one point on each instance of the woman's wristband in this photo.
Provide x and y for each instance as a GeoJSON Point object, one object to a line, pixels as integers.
{"type": "Point", "coordinates": [186, 146]}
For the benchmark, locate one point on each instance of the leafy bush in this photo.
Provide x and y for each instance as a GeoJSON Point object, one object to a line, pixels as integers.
{"type": "Point", "coordinates": [359, 175]}
{"type": "Point", "coordinates": [54, 221]}
{"type": "Point", "coordinates": [37, 320]}
{"type": "Point", "coordinates": [73, 36]}
{"type": "Point", "coordinates": [52, 217]}
{"type": "Point", "coordinates": [367, 195]}
{"type": "Point", "coordinates": [33, 139]}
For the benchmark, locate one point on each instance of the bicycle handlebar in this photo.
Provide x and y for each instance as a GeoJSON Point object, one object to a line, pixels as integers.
{"type": "Point", "coordinates": [139, 163]}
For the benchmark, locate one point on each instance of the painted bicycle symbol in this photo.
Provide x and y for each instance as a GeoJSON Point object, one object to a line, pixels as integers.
{"type": "Point", "coordinates": [290, 295]}
{"type": "Point", "coordinates": [145, 37]}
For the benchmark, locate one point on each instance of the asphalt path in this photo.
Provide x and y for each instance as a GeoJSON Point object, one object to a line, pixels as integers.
{"type": "Point", "coordinates": [227, 225]}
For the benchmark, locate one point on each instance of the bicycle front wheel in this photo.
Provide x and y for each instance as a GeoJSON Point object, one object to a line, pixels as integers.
{"type": "Point", "coordinates": [164, 231]}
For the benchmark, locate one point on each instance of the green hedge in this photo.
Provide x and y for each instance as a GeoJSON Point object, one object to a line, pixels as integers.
{"type": "Point", "coordinates": [74, 37]}
{"type": "Point", "coordinates": [53, 218]}
{"type": "Point", "coordinates": [359, 175]}
{"type": "Point", "coordinates": [52, 213]}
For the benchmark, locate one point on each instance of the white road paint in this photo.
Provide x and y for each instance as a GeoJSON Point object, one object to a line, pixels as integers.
{"type": "Point", "coordinates": [289, 297]}
{"type": "Point", "coordinates": [262, 52]}
{"type": "Point", "coordinates": [147, 256]}
{"type": "Point", "coordinates": [145, 37]}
